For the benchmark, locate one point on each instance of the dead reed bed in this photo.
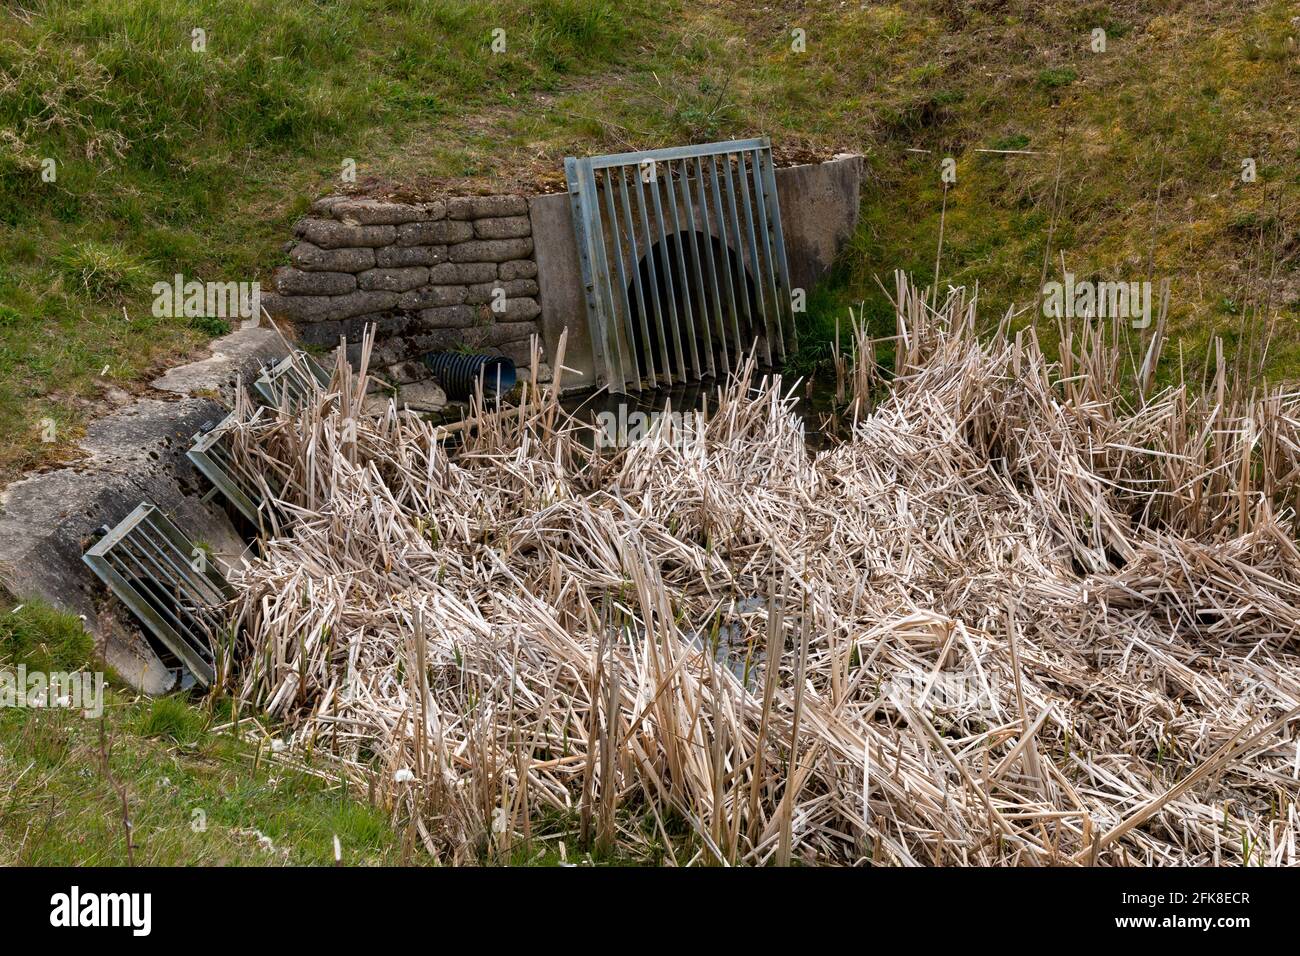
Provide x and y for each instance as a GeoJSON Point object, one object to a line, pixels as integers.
{"type": "Point", "coordinates": [1017, 616]}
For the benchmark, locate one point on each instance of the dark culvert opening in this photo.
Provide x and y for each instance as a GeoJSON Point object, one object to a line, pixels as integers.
{"type": "Point", "coordinates": [675, 274]}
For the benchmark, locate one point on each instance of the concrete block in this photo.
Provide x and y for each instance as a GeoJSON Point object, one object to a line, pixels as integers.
{"type": "Point", "coordinates": [313, 258]}
{"type": "Point", "coordinates": [375, 212]}
{"type": "Point", "coordinates": [505, 227]}
{"type": "Point", "coordinates": [393, 280]}
{"type": "Point", "coordinates": [330, 234]}
{"type": "Point", "coordinates": [432, 295]}
{"type": "Point", "coordinates": [819, 211]}
{"type": "Point", "coordinates": [394, 257]}
{"type": "Point", "coordinates": [290, 281]}
{"type": "Point", "coordinates": [517, 268]}
{"type": "Point", "coordinates": [491, 250]}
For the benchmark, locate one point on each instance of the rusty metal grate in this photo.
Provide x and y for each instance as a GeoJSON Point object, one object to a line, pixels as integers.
{"type": "Point", "coordinates": [683, 261]}
{"type": "Point", "coordinates": [291, 381]}
{"type": "Point", "coordinates": [171, 585]}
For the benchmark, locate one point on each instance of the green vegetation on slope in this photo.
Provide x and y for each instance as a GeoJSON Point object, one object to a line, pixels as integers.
{"type": "Point", "coordinates": [172, 160]}
{"type": "Point", "coordinates": [193, 796]}
{"type": "Point", "coordinates": [168, 159]}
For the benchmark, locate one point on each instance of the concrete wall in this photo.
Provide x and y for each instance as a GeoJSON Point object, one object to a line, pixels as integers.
{"type": "Point", "coordinates": [425, 273]}
{"type": "Point", "coordinates": [819, 211]}
{"type": "Point", "coordinates": [560, 290]}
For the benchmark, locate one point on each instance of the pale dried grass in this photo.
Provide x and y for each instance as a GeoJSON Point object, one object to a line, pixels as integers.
{"type": "Point", "coordinates": [1013, 618]}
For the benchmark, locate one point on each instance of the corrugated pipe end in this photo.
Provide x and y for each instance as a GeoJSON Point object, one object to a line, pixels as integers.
{"type": "Point", "coordinates": [457, 372]}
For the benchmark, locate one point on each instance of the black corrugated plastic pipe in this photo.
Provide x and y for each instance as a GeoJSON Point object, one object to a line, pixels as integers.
{"type": "Point", "coordinates": [457, 372]}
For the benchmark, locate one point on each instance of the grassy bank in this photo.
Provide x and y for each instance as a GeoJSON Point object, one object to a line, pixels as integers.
{"type": "Point", "coordinates": [192, 795]}
{"type": "Point", "coordinates": [170, 159]}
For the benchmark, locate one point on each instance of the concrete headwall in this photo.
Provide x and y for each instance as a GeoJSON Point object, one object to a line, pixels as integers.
{"type": "Point", "coordinates": [489, 272]}
{"type": "Point", "coordinates": [819, 211]}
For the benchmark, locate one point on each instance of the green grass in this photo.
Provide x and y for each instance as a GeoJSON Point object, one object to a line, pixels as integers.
{"type": "Point", "coordinates": [171, 160]}
{"type": "Point", "coordinates": [194, 796]}
{"type": "Point", "coordinates": [43, 638]}
{"type": "Point", "coordinates": [1126, 123]}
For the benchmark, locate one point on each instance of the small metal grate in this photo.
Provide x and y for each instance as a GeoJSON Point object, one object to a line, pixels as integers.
{"type": "Point", "coordinates": [683, 261]}
{"type": "Point", "coordinates": [213, 457]}
{"type": "Point", "coordinates": [291, 381]}
{"type": "Point", "coordinates": [168, 583]}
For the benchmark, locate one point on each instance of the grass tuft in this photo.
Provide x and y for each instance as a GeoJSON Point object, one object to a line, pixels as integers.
{"type": "Point", "coordinates": [173, 718]}
{"type": "Point", "coordinates": [43, 638]}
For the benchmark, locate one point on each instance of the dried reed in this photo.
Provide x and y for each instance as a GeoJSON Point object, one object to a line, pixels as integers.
{"type": "Point", "coordinates": [1013, 618]}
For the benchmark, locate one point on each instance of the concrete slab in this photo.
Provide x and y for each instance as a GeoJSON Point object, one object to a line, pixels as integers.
{"type": "Point", "coordinates": [819, 211]}
{"type": "Point", "coordinates": [134, 454]}
{"type": "Point", "coordinates": [560, 289]}
{"type": "Point", "coordinates": [239, 354]}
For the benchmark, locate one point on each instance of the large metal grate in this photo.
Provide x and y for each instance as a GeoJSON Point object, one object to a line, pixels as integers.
{"type": "Point", "coordinates": [683, 261]}
{"type": "Point", "coordinates": [291, 381]}
{"type": "Point", "coordinates": [169, 583]}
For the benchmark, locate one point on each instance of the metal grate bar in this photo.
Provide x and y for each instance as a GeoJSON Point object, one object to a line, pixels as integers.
{"type": "Point", "coordinates": [292, 381]}
{"type": "Point", "coordinates": [649, 357]}
{"type": "Point", "coordinates": [605, 291]}
{"type": "Point", "coordinates": [670, 292]}
{"type": "Point", "coordinates": [737, 261]}
{"type": "Point", "coordinates": [684, 267]}
{"type": "Point", "coordinates": [755, 268]}
{"type": "Point", "coordinates": [630, 334]}
{"type": "Point", "coordinates": [728, 266]}
{"type": "Point", "coordinates": [687, 324]}
{"type": "Point", "coordinates": [697, 272]}
{"type": "Point", "coordinates": [677, 152]}
{"type": "Point", "coordinates": [162, 602]}
{"type": "Point", "coordinates": [716, 309]}
{"type": "Point", "coordinates": [654, 282]}
{"type": "Point", "coordinates": [149, 565]}
{"type": "Point", "coordinates": [768, 270]}
{"type": "Point", "coordinates": [772, 203]}
{"type": "Point", "coordinates": [211, 455]}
